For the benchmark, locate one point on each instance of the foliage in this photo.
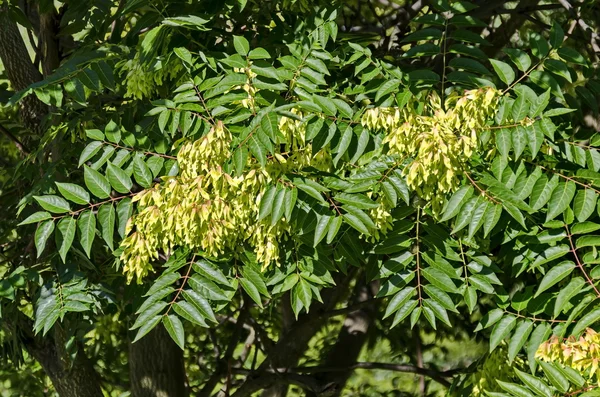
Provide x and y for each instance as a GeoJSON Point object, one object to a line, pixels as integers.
{"type": "Point", "coordinates": [222, 171]}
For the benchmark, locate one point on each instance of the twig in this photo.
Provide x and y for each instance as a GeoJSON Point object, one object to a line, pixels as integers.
{"type": "Point", "coordinates": [579, 264]}
{"type": "Point", "coordinates": [16, 140]}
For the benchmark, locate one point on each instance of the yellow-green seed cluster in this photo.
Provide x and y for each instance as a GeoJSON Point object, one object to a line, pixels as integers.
{"type": "Point", "coordinates": [439, 141]}
{"type": "Point", "coordinates": [581, 354]}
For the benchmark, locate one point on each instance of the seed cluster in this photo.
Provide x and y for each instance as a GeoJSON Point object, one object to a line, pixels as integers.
{"type": "Point", "coordinates": [439, 140]}
{"type": "Point", "coordinates": [581, 354]}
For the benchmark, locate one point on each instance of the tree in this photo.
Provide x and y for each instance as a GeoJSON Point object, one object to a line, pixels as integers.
{"type": "Point", "coordinates": [283, 198]}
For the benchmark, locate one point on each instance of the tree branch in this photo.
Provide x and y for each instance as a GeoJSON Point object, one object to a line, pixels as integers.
{"type": "Point", "coordinates": [16, 140]}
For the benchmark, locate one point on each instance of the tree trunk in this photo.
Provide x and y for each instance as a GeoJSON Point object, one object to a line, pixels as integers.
{"type": "Point", "coordinates": [156, 367]}
{"type": "Point", "coordinates": [20, 70]}
{"type": "Point", "coordinates": [78, 380]}
{"type": "Point", "coordinates": [70, 379]}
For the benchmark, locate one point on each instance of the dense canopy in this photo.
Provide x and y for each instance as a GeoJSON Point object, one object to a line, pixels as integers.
{"type": "Point", "coordinates": [299, 198]}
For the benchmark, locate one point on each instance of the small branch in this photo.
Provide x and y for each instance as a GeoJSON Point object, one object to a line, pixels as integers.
{"type": "Point", "coordinates": [136, 150]}
{"type": "Point", "coordinates": [438, 376]}
{"type": "Point", "coordinates": [349, 308]}
{"type": "Point", "coordinates": [16, 140]}
{"type": "Point", "coordinates": [579, 264]}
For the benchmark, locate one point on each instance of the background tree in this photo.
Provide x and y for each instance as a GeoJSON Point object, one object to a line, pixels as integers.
{"type": "Point", "coordinates": [299, 198]}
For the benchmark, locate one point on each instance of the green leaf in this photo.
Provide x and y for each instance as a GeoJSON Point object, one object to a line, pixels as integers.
{"type": "Point", "coordinates": [557, 35]}
{"type": "Point", "coordinates": [89, 151]}
{"type": "Point", "coordinates": [520, 110]}
{"type": "Point", "coordinates": [440, 296]}
{"type": "Point", "coordinates": [257, 148]}
{"type": "Point", "coordinates": [545, 80]}
{"type": "Point", "coordinates": [86, 223]}
{"type": "Point", "coordinates": [555, 376]}
{"type": "Point", "coordinates": [519, 137]}
{"type": "Point", "coordinates": [584, 204]}
{"type": "Point", "coordinates": [571, 55]}
{"type": "Point", "coordinates": [96, 183]}
{"type": "Point", "coordinates": [559, 68]}
{"type": "Point", "coordinates": [141, 172]}
{"type": "Point", "coordinates": [201, 304]}
{"type": "Point", "coordinates": [42, 233]}
{"type": "Point", "coordinates": [321, 228]}
{"type": "Point", "coordinates": [251, 290]}
{"type": "Point", "coordinates": [149, 313]}
{"type": "Point", "coordinates": [211, 271]}
{"type": "Point", "coordinates": [455, 203]}
{"type": "Point", "coordinates": [438, 310]}
{"type": "Point", "coordinates": [573, 376]}
{"type": "Point", "coordinates": [278, 206]}
{"type": "Point", "coordinates": [96, 135]}
{"type": "Point", "coordinates": [124, 211]}
{"type": "Point", "coordinates": [190, 313]}
{"type": "Point", "coordinates": [334, 227]}
{"type": "Point", "coordinates": [518, 339]}
{"type": "Point", "coordinates": [147, 327]}
{"type": "Point", "coordinates": [356, 223]}
{"type": "Point", "coordinates": [535, 138]}
{"type": "Point", "coordinates": [404, 311]}
{"type": "Point", "coordinates": [515, 213]}
{"type": "Point", "coordinates": [241, 45]}
{"type": "Point", "coordinates": [343, 145]}
{"type": "Point", "coordinates": [504, 71]}
{"type": "Point", "coordinates": [269, 125]}
{"type": "Point", "coordinates": [539, 335]}
{"type": "Point", "coordinates": [501, 330]}
{"type": "Point", "coordinates": [566, 293]}
{"type": "Point", "coordinates": [106, 218]}
{"type": "Point", "coordinates": [175, 329]}
{"type": "Point", "coordinates": [554, 275]}
{"type": "Point", "coordinates": [35, 218]}
{"type": "Point", "coordinates": [118, 178]}
{"type": "Point", "coordinates": [514, 389]}
{"type": "Point", "coordinates": [585, 321]}
{"type": "Point", "coordinates": [73, 192]}
{"type": "Point", "coordinates": [534, 383]}
{"type": "Point", "coordinates": [303, 292]}
{"type": "Point", "coordinates": [112, 132]}
{"type": "Point", "coordinates": [539, 45]}
{"type": "Point", "coordinates": [266, 202]}
{"type": "Point", "coordinates": [54, 204]}
{"type": "Point", "coordinates": [560, 199]}
{"type": "Point", "coordinates": [519, 58]}
{"type": "Point", "coordinates": [65, 233]}
{"type": "Point", "coordinates": [357, 200]}
{"type": "Point", "coordinates": [398, 301]}
{"type": "Point", "coordinates": [504, 141]}
{"type": "Point", "coordinates": [387, 88]}
{"type": "Point", "coordinates": [439, 279]}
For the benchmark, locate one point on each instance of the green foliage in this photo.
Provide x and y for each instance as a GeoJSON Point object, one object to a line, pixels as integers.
{"type": "Point", "coordinates": [248, 171]}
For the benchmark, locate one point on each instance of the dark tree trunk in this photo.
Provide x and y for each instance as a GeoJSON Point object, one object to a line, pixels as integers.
{"type": "Point", "coordinates": [48, 42]}
{"type": "Point", "coordinates": [76, 380]}
{"type": "Point", "coordinates": [156, 367]}
{"type": "Point", "coordinates": [20, 70]}
{"type": "Point", "coordinates": [70, 378]}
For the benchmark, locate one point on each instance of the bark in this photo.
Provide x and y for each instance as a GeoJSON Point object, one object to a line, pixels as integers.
{"type": "Point", "coordinates": [70, 378]}
{"type": "Point", "coordinates": [48, 42]}
{"type": "Point", "coordinates": [20, 70]}
{"type": "Point", "coordinates": [156, 367]}
{"type": "Point", "coordinates": [76, 380]}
